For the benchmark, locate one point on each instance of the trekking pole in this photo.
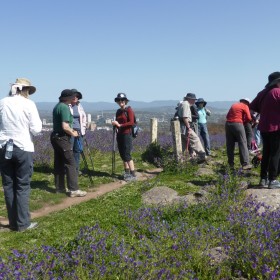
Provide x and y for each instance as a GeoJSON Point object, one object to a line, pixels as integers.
{"type": "Point", "coordinates": [90, 157]}
{"type": "Point", "coordinates": [187, 143]}
{"type": "Point", "coordinates": [84, 159]}
{"type": "Point", "coordinates": [114, 151]}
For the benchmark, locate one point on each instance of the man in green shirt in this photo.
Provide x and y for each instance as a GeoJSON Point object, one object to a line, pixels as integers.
{"type": "Point", "coordinates": [61, 141]}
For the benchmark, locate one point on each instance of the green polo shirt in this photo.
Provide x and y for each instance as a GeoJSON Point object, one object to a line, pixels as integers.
{"type": "Point", "coordinates": [61, 113]}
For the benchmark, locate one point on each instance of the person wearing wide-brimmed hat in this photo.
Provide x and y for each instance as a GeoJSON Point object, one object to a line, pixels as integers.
{"type": "Point", "coordinates": [190, 140]}
{"type": "Point", "coordinates": [79, 124]}
{"type": "Point", "coordinates": [267, 104]}
{"type": "Point", "coordinates": [123, 123]}
{"type": "Point", "coordinates": [64, 160]}
{"type": "Point", "coordinates": [203, 113]}
{"type": "Point", "coordinates": [20, 122]}
{"type": "Point", "coordinates": [237, 116]}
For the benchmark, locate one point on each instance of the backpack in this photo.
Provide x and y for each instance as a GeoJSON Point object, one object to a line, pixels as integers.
{"type": "Point", "coordinates": [135, 127]}
{"type": "Point", "coordinates": [176, 114]}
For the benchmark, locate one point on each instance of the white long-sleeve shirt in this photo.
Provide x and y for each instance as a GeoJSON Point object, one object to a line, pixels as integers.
{"type": "Point", "coordinates": [20, 121]}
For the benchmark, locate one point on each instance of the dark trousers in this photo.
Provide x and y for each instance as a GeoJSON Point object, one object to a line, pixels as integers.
{"type": "Point", "coordinates": [249, 134]}
{"type": "Point", "coordinates": [64, 160]}
{"type": "Point", "coordinates": [125, 146]}
{"type": "Point", "coordinates": [235, 132]}
{"type": "Point", "coordinates": [271, 155]}
{"type": "Point", "coordinates": [16, 176]}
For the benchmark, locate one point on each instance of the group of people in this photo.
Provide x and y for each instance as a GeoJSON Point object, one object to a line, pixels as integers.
{"type": "Point", "coordinates": [20, 122]}
{"type": "Point", "coordinates": [244, 121]}
{"type": "Point", "coordinates": [193, 115]}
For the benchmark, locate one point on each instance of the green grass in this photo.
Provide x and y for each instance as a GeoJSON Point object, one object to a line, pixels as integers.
{"type": "Point", "coordinates": [61, 228]}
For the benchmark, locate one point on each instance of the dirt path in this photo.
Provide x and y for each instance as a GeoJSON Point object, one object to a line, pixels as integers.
{"type": "Point", "coordinates": [96, 192]}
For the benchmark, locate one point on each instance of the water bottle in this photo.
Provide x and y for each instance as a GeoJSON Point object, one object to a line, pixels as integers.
{"type": "Point", "coordinates": [9, 149]}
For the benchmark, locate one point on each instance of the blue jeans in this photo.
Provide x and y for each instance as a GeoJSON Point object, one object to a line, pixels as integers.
{"type": "Point", "coordinates": [203, 132]}
{"type": "Point", "coordinates": [16, 176]}
{"type": "Point", "coordinates": [77, 149]}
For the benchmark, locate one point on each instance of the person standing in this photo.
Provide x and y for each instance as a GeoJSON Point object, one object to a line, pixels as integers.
{"type": "Point", "coordinates": [189, 138]}
{"type": "Point", "coordinates": [63, 148]}
{"type": "Point", "coordinates": [19, 121]}
{"type": "Point", "coordinates": [123, 123]}
{"type": "Point", "coordinates": [79, 125]}
{"type": "Point", "coordinates": [203, 113]}
{"type": "Point", "coordinates": [267, 104]}
{"type": "Point", "coordinates": [237, 116]}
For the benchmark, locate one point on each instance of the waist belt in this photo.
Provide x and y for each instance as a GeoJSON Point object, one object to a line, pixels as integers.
{"type": "Point", "coordinates": [59, 134]}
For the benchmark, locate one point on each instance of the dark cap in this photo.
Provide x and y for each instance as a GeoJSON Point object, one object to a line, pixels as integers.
{"type": "Point", "coordinates": [77, 93]}
{"type": "Point", "coordinates": [67, 93]}
{"type": "Point", "coordinates": [121, 96]}
{"type": "Point", "coordinates": [273, 79]}
{"type": "Point", "coordinates": [200, 100]}
{"type": "Point", "coordinates": [190, 96]}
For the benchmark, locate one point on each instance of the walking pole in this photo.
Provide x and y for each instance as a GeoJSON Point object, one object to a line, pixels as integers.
{"type": "Point", "coordinates": [90, 157]}
{"type": "Point", "coordinates": [187, 143]}
{"type": "Point", "coordinates": [114, 151]}
{"type": "Point", "coordinates": [84, 159]}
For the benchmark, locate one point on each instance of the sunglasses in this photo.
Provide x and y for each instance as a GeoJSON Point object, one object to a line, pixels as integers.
{"type": "Point", "coordinates": [120, 99]}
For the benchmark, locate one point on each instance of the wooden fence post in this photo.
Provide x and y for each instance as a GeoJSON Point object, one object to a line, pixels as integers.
{"type": "Point", "coordinates": [176, 137]}
{"type": "Point", "coordinates": [154, 130]}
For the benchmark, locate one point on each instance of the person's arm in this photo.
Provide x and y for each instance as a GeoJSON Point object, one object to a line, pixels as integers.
{"type": "Point", "coordinates": [70, 131]}
{"type": "Point", "coordinates": [247, 115]}
{"type": "Point", "coordinates": [35, 123]}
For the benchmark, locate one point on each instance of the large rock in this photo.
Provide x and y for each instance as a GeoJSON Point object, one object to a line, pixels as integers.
{"type": "Point", "coordinates": [269, 197]}
{"type": "Point", "coordinates": [165, 196]}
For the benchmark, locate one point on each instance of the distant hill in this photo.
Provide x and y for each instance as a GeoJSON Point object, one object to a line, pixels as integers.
{"type": "Point", "coordinates": [159, 106]}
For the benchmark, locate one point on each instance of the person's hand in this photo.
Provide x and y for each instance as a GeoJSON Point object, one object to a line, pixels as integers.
{"type": "Point", "coordinates": [75, 133]}
{"type": "Point", "coordinates": [116, 123]}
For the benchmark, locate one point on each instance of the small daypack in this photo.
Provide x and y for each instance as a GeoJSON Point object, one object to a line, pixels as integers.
{"type": "Point", "coordinates": [135, 127]}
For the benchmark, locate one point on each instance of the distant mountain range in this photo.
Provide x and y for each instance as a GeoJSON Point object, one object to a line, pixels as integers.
{"type": "Point", "coordinates": [159, 105]}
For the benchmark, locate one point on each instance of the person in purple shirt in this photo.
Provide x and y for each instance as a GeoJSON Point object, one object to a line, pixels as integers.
{"type": "Point", "coordinates": [267, 104]}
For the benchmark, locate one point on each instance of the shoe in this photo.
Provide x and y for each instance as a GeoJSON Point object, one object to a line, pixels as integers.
{"type": "Point", "coordinates": [131, 178]}
{"type": "Point", "coordinates": [274, 184]}
{"type": "Point", "coordinates": [247, 167]}
{"type": "Point", "coordinates": [126, 175]}
{"type": "Point", "coordinates": [77, 193]}
{"type": "Point", "coordinates": [60, 191]}
{"type": "Point", "coordinates": [201, 160]}
{"type": "Point", "coordinates": [31, 226]}
{"type": "Point", "coordinates": [263, 183]}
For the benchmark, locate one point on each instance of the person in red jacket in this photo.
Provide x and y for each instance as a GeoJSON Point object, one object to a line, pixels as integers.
{"type": "Point", "coordinates": [237, 116]}
{"type": "Point", "coordinates": [124, 122]}
{"type": "Point", "coordinates": [267, 104]}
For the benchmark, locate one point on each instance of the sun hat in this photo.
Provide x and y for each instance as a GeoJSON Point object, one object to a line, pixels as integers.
{"type": "Point", "coordinates": [21, 83]}
{"type": "Point", "coordinates": [121, 96]}
{"type": "Point", "coordinates": [246, 99]}
{"type": "Point", "coordinates": [200, 100]}
{"type": "Point", "coordinates": [77, 93]}
{"type": "Point", "coordinates": [190, 96]}
{"type": "Point", "coordinates": [273, 79]}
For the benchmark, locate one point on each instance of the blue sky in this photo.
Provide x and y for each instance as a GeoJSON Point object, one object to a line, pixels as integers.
{"type": "Point", "coordinates": [150, 49]}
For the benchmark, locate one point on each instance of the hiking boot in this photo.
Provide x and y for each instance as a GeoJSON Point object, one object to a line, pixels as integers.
{"type": "Point", "coordinates": [126, 175]}
{"type": "Point", "coordinates": [263, 183]}
{"type": "Point", "coordinates": [130, 178]}
{"type": "Point", "coordinates": [274, 184]}
{"type": "Point", "coordinates": [201, 159]}
{"type": "Point", "coordinates": [247, 167]}
{"type": "Point", "coordinates": [77, 193]}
